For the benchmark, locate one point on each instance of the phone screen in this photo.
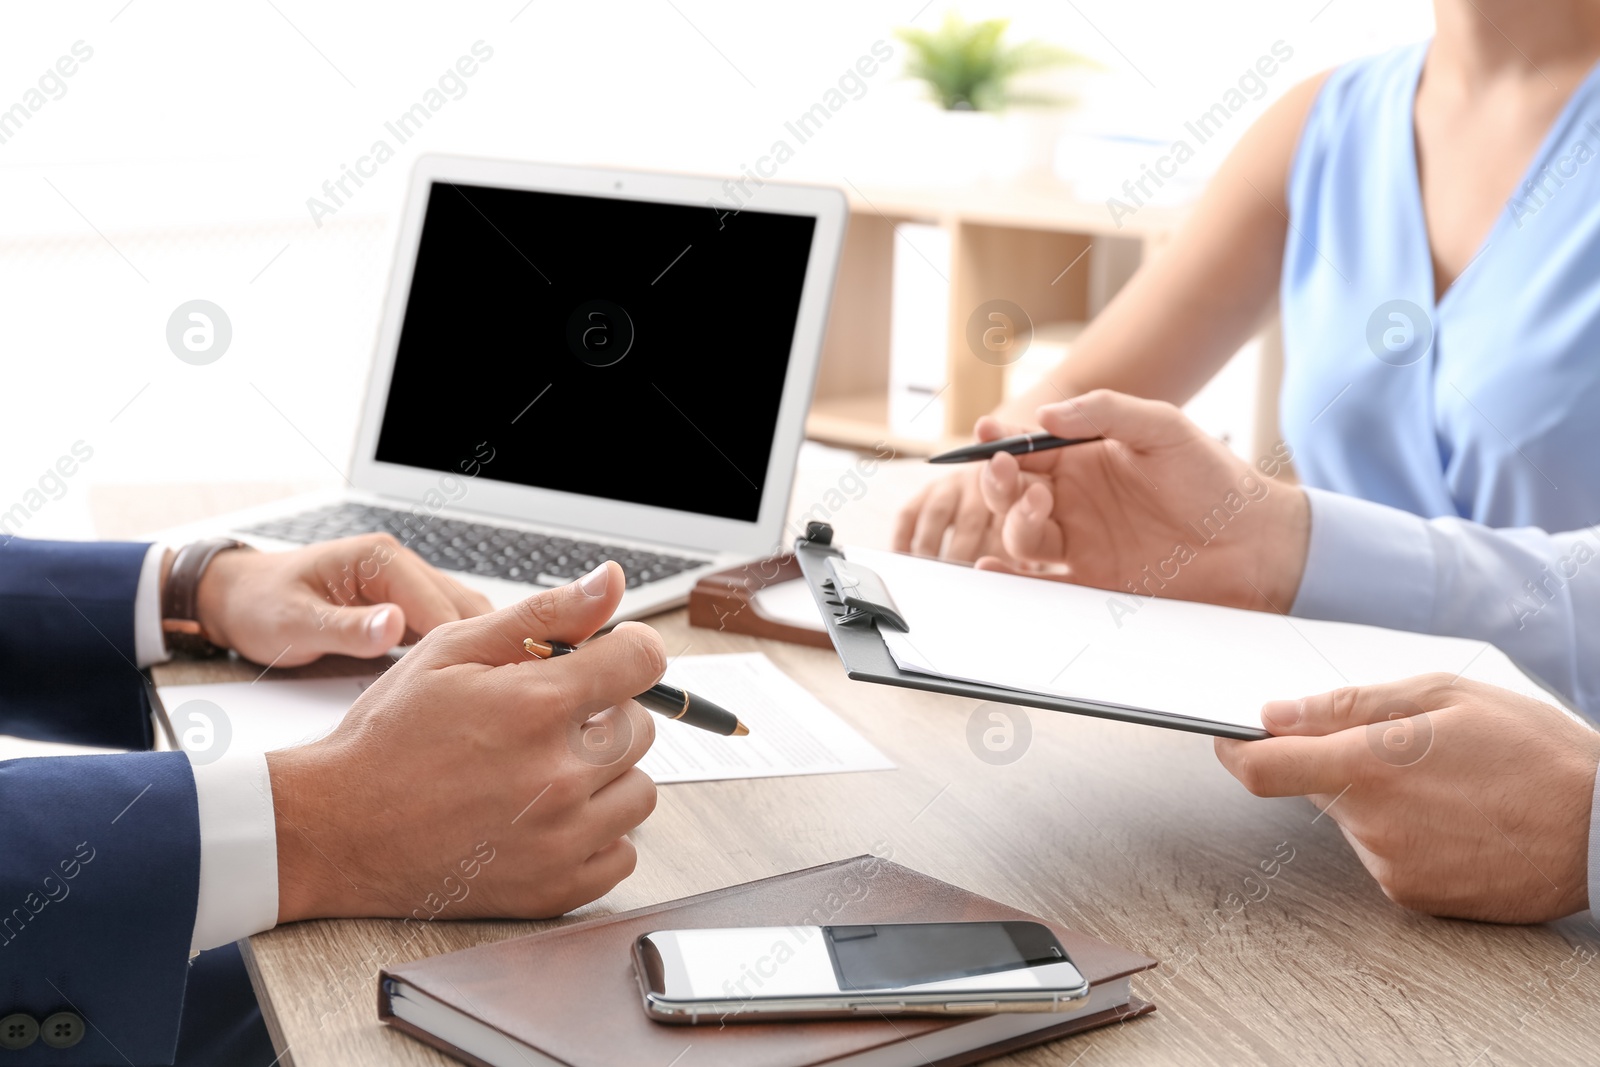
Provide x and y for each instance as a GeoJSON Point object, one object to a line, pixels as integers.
{"type": "Point", "coordinates": [897, 955]}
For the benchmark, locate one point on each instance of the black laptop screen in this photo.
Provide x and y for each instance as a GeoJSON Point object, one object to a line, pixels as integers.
{"type": "Point", "coordinates": [612, 348]}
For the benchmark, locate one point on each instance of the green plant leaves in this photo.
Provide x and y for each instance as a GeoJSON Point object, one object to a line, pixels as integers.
{"type": "Point", "coordinates": [968, 67]}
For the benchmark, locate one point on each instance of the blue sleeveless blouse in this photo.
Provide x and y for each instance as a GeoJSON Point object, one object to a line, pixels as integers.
{"type": "Point", "coordinates": [1483, 404]}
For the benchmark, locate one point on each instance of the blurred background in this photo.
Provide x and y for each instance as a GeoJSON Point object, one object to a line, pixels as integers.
{"type": "Point", "coordinates": [179, 161]}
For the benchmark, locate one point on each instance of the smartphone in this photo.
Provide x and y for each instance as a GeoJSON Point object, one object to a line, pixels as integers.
{"type": "Point", "coordinates": [761, 973]}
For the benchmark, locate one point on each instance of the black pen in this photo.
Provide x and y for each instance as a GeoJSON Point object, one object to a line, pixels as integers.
{"type": "Point", "coordinates": [1020, 445]}
{"type": "Point", "coordinates": [674, 703]}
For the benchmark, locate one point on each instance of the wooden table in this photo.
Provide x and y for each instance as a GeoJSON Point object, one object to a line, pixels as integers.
{"type": "Point", "coordinates": [1132, 834]}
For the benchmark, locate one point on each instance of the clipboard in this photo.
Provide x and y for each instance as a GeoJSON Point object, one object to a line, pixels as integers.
{"type": "Point", "coordinates": [854, 603]}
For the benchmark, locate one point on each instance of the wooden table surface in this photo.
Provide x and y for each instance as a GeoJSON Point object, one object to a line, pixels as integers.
{"type": "Point", "coordinates": [1132, 834]}
{"type": "Point", "coordinates": [1276, 946]}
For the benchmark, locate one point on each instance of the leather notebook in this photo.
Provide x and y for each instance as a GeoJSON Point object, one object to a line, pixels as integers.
{"type": "Point", "coordinates": [569, 996]}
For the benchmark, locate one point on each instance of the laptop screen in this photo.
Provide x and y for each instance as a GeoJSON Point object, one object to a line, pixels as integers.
{"type": "Point", "coordinates": [611, 348]}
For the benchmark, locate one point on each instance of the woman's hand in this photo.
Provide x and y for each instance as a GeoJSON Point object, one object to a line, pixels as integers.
{"type": "Point", "coordinates": [948, 519]}
{"type": "Point", "coordinates": [1156, 508]}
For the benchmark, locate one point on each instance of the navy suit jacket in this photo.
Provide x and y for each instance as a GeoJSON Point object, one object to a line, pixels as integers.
{"type": "Point", "coordinates": [99, 855]}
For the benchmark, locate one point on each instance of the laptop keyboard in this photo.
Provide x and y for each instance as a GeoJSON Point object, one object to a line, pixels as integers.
{"type": "Point", "coordinates": [476, 547]}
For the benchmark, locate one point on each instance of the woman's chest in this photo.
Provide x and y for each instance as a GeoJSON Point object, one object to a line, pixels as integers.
{"type": "Point", "coordinates": [1470, 163]}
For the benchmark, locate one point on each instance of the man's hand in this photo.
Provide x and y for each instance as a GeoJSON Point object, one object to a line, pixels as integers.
{"type": "Point", "coordinates": [1157, 508]}
{"type": "Point", "coordinates": [359, 596]}
{"type": "Point", "coordinates": [949, 518]}
{"type": "Point", "coordinates": [471, 747]}
{"type": "Point", "coordinates": [1460, 798]}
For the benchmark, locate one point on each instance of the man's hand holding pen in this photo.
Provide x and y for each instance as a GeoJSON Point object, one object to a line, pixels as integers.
{"type": "Point", "coordinates": [676, 704]}
{"type": "Point", "coordinates": [470, 740]}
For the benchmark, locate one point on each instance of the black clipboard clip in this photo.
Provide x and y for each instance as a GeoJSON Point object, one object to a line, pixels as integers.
{"type": "Point", "coordinates": [856, 589]}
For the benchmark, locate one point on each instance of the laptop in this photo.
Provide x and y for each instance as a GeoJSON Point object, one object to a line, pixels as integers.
{"type": "Point", "coordinates": [581, 364]}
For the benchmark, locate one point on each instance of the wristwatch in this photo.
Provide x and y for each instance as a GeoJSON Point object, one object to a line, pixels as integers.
{"type": "Point", "coordinates": [180, 599]}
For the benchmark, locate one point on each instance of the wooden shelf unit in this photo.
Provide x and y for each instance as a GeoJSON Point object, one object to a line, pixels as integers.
{"type": "Point", "coordinates": [1013, 242]}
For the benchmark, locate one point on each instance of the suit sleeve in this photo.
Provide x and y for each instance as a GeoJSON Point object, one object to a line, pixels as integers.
{"type": "Point", "coordinates": [68, 655]}
{"type": "Point", "coordinates": [98, 889]}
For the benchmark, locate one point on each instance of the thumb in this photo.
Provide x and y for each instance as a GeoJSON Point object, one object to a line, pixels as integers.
{"type": "Point", "coordinates": [363, 632]}
{"type": "Point", "coordinates": [1341, 709]}
{"type": "Point", "coordinates": [572, 613]}
{"type": "Point", "coordinates": [995, 563]}
{"type": "Point", "coordinates": [1141, 424]}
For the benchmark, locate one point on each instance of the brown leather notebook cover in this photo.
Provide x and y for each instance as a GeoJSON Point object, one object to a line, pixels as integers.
{"type": "Point", "coordinates": [725, 600]}
{"type": "Point", "coordinates": [571, 992]}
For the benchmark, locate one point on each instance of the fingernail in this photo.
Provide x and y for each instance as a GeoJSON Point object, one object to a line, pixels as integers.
{"type": "Point", "coordinates": [1282, 714]}
{"type": "Point", "coordinates": [378, 622]}
{"type": "Point", "coordinates": [596, 581]}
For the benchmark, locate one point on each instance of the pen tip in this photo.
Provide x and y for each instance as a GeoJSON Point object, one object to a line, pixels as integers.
{"type": "Point", "coordinates": [740, 730]}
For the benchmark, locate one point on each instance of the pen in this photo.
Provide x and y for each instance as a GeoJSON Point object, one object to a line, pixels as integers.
{"type": "Point", "coordinates": [674, 703]}
{"type": "Point", "coordinates": [1020, 445]}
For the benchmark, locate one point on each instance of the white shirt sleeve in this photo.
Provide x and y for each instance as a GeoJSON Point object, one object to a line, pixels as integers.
{"type": "Point", "coordinates": [238, 836]}
{"type": "Point", "coordinates": [1594, 848]}
{"type": "Point", "coordinates": [1534, 595]}
{"type": "Point", "coordinates": [149, 643]}
{"type": "Point", "coordinates": [238, 850]}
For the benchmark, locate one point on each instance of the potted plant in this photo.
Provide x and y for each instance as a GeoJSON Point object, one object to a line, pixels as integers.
{"type": "Point", "coordinates": [969, 67]}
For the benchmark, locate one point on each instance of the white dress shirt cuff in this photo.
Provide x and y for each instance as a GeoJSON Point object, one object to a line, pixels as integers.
{"type": "Point", "coordinates": [1594, 849]}
{"type": "Point", "coordinates": [150, 645]}
{"type": "Point", "coordinates": [1367, 563]}
{"type": "Point", "coordinates": [238, 850]}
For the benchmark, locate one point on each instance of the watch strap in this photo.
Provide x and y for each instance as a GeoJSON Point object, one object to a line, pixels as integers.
{"type": "Point", "coordinates": [180, 598]}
